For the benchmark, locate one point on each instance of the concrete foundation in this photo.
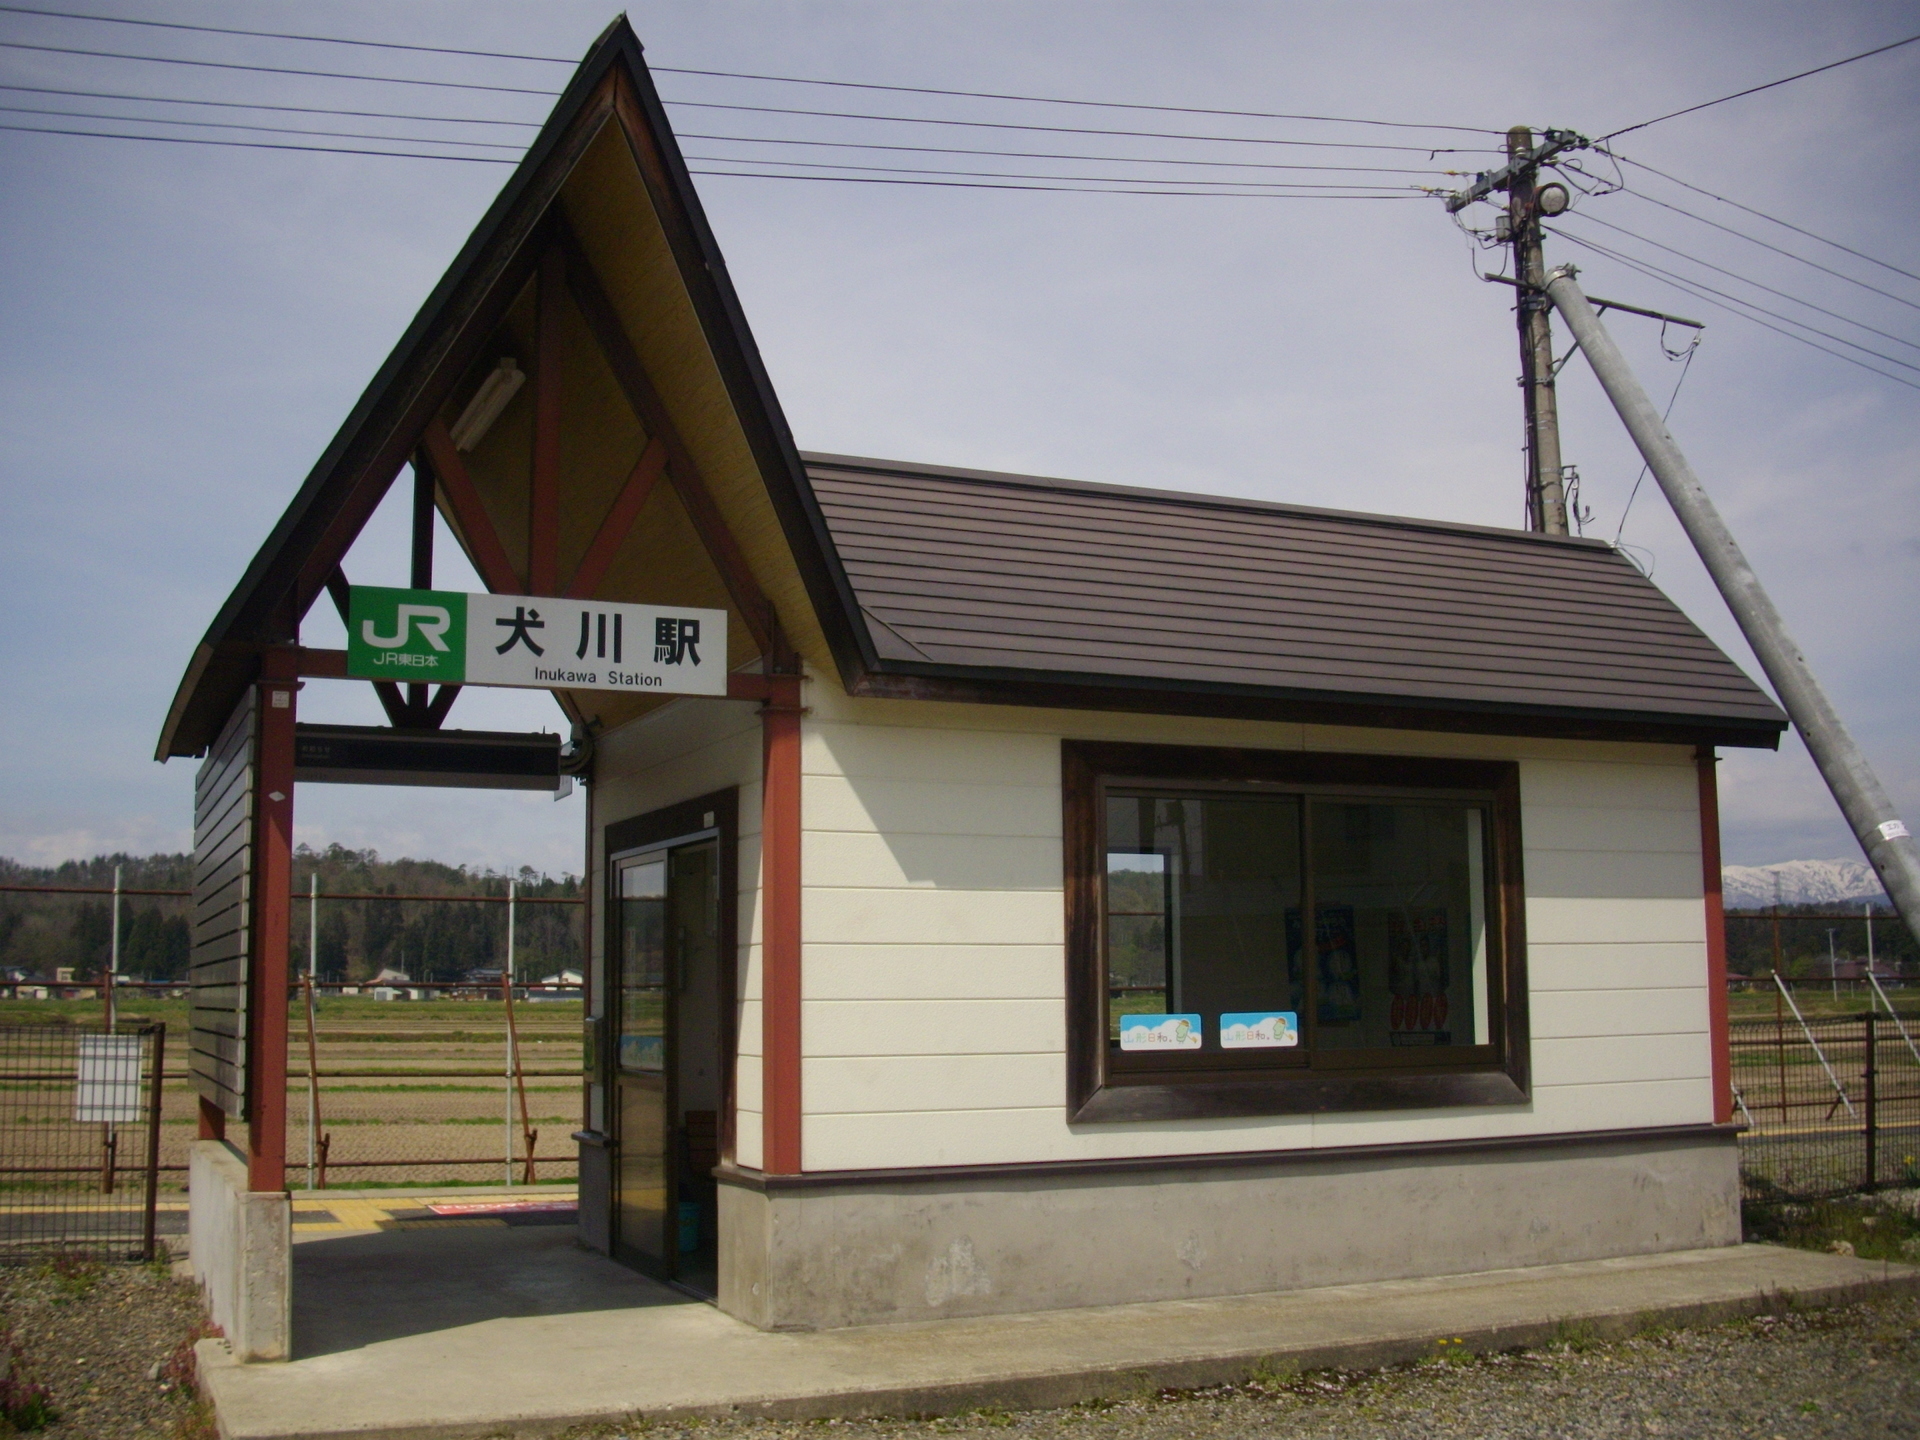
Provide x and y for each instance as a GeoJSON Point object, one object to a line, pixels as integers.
{"type": "Point", "coordinates": [817, 1255]}
{"type": "Point", "coordinates": [241, 1248]}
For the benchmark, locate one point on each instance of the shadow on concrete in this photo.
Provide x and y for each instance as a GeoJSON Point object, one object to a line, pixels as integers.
{"type": "Point", "coordinates": [351, 1291]}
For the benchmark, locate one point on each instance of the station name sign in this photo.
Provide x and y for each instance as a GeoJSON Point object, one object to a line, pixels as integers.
{"type": "Point", "coordinates": [538, 642]}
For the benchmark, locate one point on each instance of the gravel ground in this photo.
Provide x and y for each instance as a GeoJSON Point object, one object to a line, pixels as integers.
{"type": "Point", "coordinates": [93, 1335]}
{"type": "Point", "coordinates": [1853, 1372]}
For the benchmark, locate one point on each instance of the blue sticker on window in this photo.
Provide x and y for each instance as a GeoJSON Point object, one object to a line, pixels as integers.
{"type": "Point", "coordinates": [1259, 1029]}
{"type": "Point", "coordinates": [1160, 1032]}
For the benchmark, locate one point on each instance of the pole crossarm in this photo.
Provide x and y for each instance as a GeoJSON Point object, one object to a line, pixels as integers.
{"type": "Point", "coordinates": [1888, 844]}
{"type": "Point", "coordinates": [1555, 142]}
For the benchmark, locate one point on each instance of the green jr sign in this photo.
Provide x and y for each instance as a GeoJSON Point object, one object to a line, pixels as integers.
{"type": "Point", "coordinates": [544, 642]}
{"type": "Point", "coordinates": [418, 635]}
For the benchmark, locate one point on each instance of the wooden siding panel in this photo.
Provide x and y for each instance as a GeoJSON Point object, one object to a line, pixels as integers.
{"type": "Point", "coordinates": [222, 896]}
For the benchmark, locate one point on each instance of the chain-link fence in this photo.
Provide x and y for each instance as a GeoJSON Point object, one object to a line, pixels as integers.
{"type": "Point", "coordinates": [427, 1091]}
{"type": "Point", "coordinates": [1831, 1104]}
{"type": "Point", "coordinates": [79, 1139]}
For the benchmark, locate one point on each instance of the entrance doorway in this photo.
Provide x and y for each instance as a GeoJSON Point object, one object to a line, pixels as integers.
{"type": "Point", "coordinates": [669, 1000]}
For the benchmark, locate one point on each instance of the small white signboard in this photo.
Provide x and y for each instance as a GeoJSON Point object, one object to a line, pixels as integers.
{"type": "Point", "coordinates": [109, 1088]}
{"type": "Point", "coordinates": [538, 642]}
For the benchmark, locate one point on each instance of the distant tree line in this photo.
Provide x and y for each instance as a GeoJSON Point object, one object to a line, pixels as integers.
{"type": "Point", "coordinates": [1803, 940]}
{"type": "Point", "coordinates": [441, 939]}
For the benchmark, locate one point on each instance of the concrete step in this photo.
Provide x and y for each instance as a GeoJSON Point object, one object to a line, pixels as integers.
{"type": "Point", "coordinates": [461, 1333]}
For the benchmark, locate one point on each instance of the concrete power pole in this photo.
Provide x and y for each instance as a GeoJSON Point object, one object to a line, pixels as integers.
{"type": "Point", "coordinates": [1546, 496]}
{"type": "Point", "coordinates": [1875, 823]}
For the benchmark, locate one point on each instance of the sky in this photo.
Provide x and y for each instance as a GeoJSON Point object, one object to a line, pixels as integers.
{"type": "Point", "coordinates": [187, 325]}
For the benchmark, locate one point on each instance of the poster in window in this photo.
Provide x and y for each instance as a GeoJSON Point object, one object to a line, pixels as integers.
{"type": "Point", "coordinates": [1339, 962]}
{"type": "Point", "coordinates": [1419, 976]}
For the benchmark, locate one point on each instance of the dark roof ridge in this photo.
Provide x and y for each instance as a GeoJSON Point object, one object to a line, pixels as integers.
{"type": "Point", "coordinates": [909, 469]}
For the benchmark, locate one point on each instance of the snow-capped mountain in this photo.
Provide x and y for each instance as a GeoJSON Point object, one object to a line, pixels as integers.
{"type": "Point", "coordinates": [1802, 882]}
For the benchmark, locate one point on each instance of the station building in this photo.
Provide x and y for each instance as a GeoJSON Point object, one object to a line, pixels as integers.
{"type": "Point", "coordinates": [1074, 894]}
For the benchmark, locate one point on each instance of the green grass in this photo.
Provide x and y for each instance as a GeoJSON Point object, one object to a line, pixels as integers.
{"type": "Point", "coordinates": [1875, 1232]}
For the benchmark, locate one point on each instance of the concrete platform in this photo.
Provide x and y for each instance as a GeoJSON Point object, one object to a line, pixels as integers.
{"type": "Point", "coordinates": [466, 1332]}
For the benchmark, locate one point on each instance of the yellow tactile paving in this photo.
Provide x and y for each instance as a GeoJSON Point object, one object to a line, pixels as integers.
{"type": "Point", "coordinates": [349, 1216]}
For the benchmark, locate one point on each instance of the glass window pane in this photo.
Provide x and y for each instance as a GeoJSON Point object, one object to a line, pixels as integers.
{"type": "Point", "coordinates": [643, 966]}
{"type": "Point", "coordinates": [1200, 893]}
{"type": "Point", "coordinates": [1399, 925]}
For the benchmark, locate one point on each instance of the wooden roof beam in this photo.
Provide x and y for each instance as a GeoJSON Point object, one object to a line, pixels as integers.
{"type": "Point", "coordinates": [463, 498]}
{"type": "Point", "coordinates": [619, 521]}
{"type": "Point", "coordinates": [762, 621]}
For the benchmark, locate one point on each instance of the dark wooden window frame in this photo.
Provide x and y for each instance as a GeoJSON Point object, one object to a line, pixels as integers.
{"type": "Point", "coordinates": [1099, 1090]}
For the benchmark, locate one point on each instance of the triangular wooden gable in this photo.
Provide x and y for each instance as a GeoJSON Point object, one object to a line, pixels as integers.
{"type": "Point", "coordinates": [645, 459]}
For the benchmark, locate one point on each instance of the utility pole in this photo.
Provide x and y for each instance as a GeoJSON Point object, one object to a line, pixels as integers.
{"type": "Point", "coordinates": [1546, 495]}
{"type": "Point", "coordinates": [1888, 843]}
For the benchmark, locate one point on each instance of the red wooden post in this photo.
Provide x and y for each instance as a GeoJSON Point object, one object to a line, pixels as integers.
{"type": "Point", "coordinates": [1718, 1035]}
{"type": "Point", "coordinates": [213, 1120]}
{"type": "Point", "coordinates": [272, 919]}
{"type": "Point", "coordinates": [543, 519]}
{"type": "Point", "coordinates": [780, 929]}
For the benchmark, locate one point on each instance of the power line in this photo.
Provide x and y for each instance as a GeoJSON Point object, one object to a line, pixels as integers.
{"type": "Point", "coordinates": [1811, 264]}
{"type": "Point", "coordinates": [259, 145]}
{"type": "Point", "coordinates": [1756, 89]}
{"type": "Point", "coordinates": [1134, 188]}
{"type": "Point", "coordinates": [1054, 155]}
{"type": "Point", "coordinates": [1069, 129]}
{"type": "Point", "coordinates": [282, 35]}
{"type": "Point", "coordinates": [1109, 179]}
{"type": "Point", "coordinates": [273, 69]}
{"type": "Point", "coordinates": [1071, 189]}
{"type": "Point", "coordinates": [1653, 272]}
{"type": "Point", "coordinates": [1097, 104]}
{"type": "Point", "coordinates": [745, 75]}
{"type": "Point", "coordinates": [256, 105]}
{"type": "Point", "coordinates": [753, 109]}
{"type": "Point", "coordinates": [1349, 169]}
{"type": "Point", "coordinates": [1754, 305]}
{"type": "Point", "coordinates": [1770, 219]}
{"type": "Point", "coordinates": [1745, 280]}
{"type": "Point", "coordinates": [264, 129]}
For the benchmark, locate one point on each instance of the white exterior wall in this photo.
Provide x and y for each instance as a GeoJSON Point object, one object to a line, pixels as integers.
{"type": "Point", "coordinates": [678, 752]}
{"type": "Point", "coordinates": [933, 978]}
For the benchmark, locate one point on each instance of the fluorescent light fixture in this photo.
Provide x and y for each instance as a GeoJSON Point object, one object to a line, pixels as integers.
{"type": "Point", "coordinates": [487, 403]}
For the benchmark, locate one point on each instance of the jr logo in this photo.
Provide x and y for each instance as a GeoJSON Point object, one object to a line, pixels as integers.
{"type": "Point", "coordinates": [413, 635]}
{"type": "Point", "coordinates": [432, 621]}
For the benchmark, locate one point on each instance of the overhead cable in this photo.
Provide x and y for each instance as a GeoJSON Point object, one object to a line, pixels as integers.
{"type": "Point", "coordinates": [740, 139]}
{"type": "Point", "coordinates": [1752, 239]}
{"type": "Point", "coordinates": [1736, 307]}
{"type": "Point", "coordinates": [1755, 305]}
{"type": "Point", "coordinates": [1113, 179]}
{"type": "Point", "coordinates": [747, 75]}
{"type": "Point", "coordinates": [1133, 187]}
{"type": "Point", "coordinates": [265, 129]}
{"type": "Point", "coordinates": [1756, 89]}
{"type": "Point", "coordinates": [1072, 129]}
{"type": "Point", "coordinates": [257, 105]}
{"type": "Point", "coordinates": [753, 109]}
{"type": "Point", "coordinates": [1746, 280]}
{"type": "Point", "coordinates": [274, 69]}
{"type": "Point", "coordinates": [1770, 219]}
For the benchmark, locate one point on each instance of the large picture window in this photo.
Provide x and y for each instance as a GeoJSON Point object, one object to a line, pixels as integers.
{"type": "Point", "coordinates": [1260, 932]}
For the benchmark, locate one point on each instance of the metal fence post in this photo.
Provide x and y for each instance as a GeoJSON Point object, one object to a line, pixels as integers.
{"type": "Point", "coordinates": [1873, 1118]}
{"type": "Point", "coordinates": [159, 1034]}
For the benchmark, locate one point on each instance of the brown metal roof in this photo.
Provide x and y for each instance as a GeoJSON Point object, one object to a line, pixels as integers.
{"type": "Point", "coordinates": [982, 577]}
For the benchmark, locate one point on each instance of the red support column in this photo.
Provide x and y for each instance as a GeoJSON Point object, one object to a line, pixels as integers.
{"type": "Point", "coordinates": [272, 919]}
{"type": "Point", "coordinates": [780, 929]}
{"type": "Point", "coordinates": [213, 1120]}
{"type": "Point", "coordinates": [1718, 1035]}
